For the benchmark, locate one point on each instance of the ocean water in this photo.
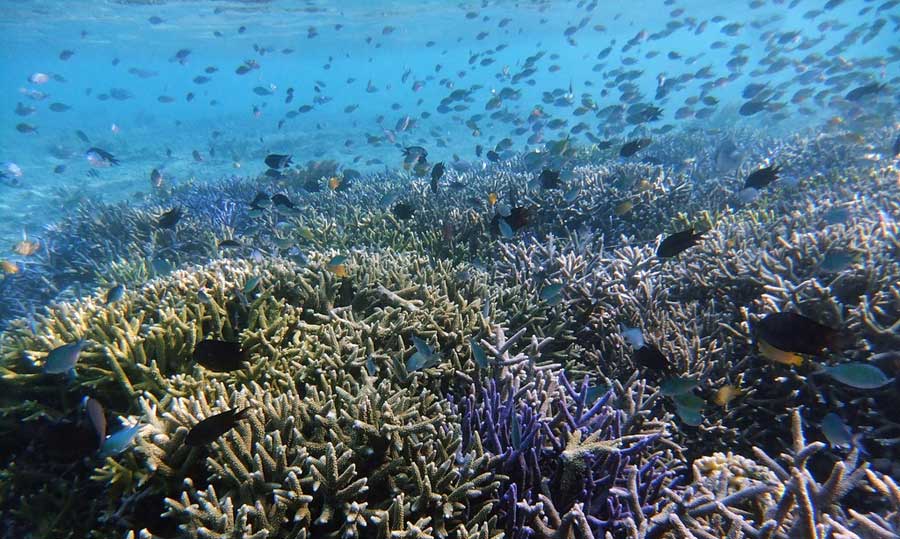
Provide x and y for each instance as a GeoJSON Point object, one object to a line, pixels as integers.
{"type": "Point", "coordinates": [768, 126]}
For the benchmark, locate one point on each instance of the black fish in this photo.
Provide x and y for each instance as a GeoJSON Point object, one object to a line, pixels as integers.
{"type": "Point", "coordinates": [105, 155]}
{"type": "Point", "coordinates": [649, 357]}
{"type": "Point", "coordinates": [225, 244]}
{"type": "Point", "coordinates": [346, 293]}
{"type": "Point", "coordinates": [897, 146]}
{"type": "Point", "coordinates": [478, 150]}
{"type": "Point", "coordinates": [436, 172]}
{"type": "Point", "coordinates": [792, 332]}
{"type": "Point", "coordinates": [278, 161]}
{"type": "Point", "coordinates": [493, 156]}
{"type": "Point", "coordinates": [403, 211]}
{"type": "Point", "coordinates": [678, 243]}
{"type": "Point", "coordinates": [633, 146]}
{"type": "Point", "coordinates": [214, 426]}
{"type": "Point", "coordinates": [414, 154]}
{"type": "Point", "coordinates": [762, 177]}
{"type": "Point", "coordinates": [549, 179]}
{"type": "Point", "coordinates": [282, 200]}
{"type": "Point", "coordinates": [260, 201]}
{"type": "Point", "coordinates": [220, 356]}
{"type": "Point", "coordinates": [858, 94]}
{"type": "Point", "coordinates": [170, 218]}
{"type": "Point", "coordinates": [752, 107]}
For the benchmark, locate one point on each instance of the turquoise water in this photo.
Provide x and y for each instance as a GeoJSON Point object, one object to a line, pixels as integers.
{"type": "Point", "coordinates": [377, 42]}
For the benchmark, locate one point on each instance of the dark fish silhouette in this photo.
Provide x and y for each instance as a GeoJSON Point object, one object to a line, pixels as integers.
{"type": "Point", "coordinates": [752, 107]}
{"type": "Point", "coordinates": [436, 172]}
{"type": "Point", "coordinates": [101, 157]}
{"type": "Point", "coordinates": [403, 211]}
{"type": "Point", "coordinates": [762, 177]}
{"type": "Point", "coordinates": [633, 146]}
{"type": "Point", "coordinates": [549, 179]}
{"type": "Point", "coordinates": [214, 426]}
{"type": "Point", "coordinates": [220, 356]}
{"type": "Point", "coordinates": [792, 332]}
{"type": "Point", "coordinates": [678, 243]}
{"type": "Point", "coordinates": [860, 93]}
{"type": "Point", "coordinates": [649, 357]}
{"type": "Point", "coordinates": [170, 218]}
{"type": "Point", "coordinates": [493, 156]}
{"type": "Point", "coordinates": [278, 161]}
{"type": "Point", "coordinates": [282, 200]}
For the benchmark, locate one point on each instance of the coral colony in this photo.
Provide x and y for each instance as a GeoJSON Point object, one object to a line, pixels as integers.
{"type": "Point", "coordinates": [517, 365]}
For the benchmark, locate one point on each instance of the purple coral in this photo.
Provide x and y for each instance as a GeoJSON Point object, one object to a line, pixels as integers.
{"type": "Point", "coordinates": [565, 451]}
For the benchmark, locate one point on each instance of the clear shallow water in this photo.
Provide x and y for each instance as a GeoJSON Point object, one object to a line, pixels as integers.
{"type": "Point", "coordinates": [376, 44]}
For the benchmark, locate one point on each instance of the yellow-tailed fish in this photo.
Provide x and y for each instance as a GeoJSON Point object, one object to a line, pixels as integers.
{"type": "Point", "coordinates": [779, 356]}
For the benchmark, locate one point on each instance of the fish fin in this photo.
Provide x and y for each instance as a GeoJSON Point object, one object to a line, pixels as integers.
{"type": "Point", "coordinates": [242, 414]}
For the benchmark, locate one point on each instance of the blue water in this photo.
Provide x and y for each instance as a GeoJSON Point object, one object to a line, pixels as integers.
{"type": "Point", "coordinates": [110, 38]}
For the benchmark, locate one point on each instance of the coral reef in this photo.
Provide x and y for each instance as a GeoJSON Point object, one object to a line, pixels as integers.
{"type": "Point", "coordinates": [439, 377]}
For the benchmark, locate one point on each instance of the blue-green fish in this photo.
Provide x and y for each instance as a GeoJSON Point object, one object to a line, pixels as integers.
{"type": "Point", "coordinates": [837, 261]}
{"type": "Point", "coordinates": [505, 229]}
{"type": "Point", "coordinates": [423, 358]}
{"type": "Point", "coordinates": [478, 355]}
{"type": "Point", "coordinates": [571, 195]}
{"type": "Point", "coordinates": [118, 442]}
{"type": "Point", "coordinates": [677, 386]}
{"type": "Point", "coordinates": [251, 284]}
{"type": "Point", "coordinates": [337, 261]}
{"type": "Point", "coordinates": [62, 359]}
{"type": "Point", "coordinates": [551, 293]}
{"type": "Point", "coordinates": [835, 431]}
{"type": "Point", "coordinates": [858, 375]}
{"type": "Point", "coordinates": [689, 416]}
{"type": "Point", "coordinates": [689, 401]}
{"type": "Point", "coordinates": [115, 293]}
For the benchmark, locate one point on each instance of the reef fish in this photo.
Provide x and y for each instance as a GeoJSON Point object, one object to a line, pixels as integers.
{"type": "Point", "coordinates": [277, 160]}
{"type": "Point", "coordinates": [115, 293]}
{"type": "Point", "coordinates": [858, 375]}
{"type": "Point", "coordinates": [762, 177]}
{"type": "Point", "coordinates": [97, 157]}
{"type": "Point", "coordinates": [169, 219]}
{"type": "Point", "coordinates": [214, 426]}
{"type": "Point", "coordinates": [62, 359]}
{"type": "Point", "coordinates": [649, 357]}
{"type": "Point", "coordinates": [118, 442]}
{"type": "Point", "coordinates": [220, 356]}
{"type": "Point", "coordinates": [792, 332]}
{"type": "Point", "coordinates": [677, 243]}
{"type": "Point", "coordinates": [633, 146]}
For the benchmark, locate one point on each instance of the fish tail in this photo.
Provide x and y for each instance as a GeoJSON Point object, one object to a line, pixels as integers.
{"type": "Point", "coordinates": [242, 414]}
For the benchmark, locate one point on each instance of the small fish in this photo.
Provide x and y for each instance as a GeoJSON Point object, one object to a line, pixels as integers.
{"type": "Point", "coordinates": [678, 243]}
{"type": "Point", "coordinates": [220, 356]}
{"type": "Point", "coordinates": [792, 332]}
{"type": "Point", "coordinates": [115, 293]}
{"type": "Point", "coordinates": [726, 394]}
{"type": "Point", "coordinates": [97, 416]}
{"type": "Point", "coordinates": [213, 427]}
{"type": "Point", "coordinates": [838, 433]}
{"type": "Point", "coordinates": [572, 194]}
{"type": "Point", "coordinates": [552, 293]}
{"type": "Point", "coordinates": [278, 161]}
{"type": "Point", "coordinates": [423, 358]}
{"type": "Point", "coordinates": [858, 375]}
{"type": "Point", "coordinates": [505, 229]}
{"type": "Point", "coordinates": [118, 442]}
{"type": "Point", "coordinates": [283, 201]}
{"type": "Point", "coordinates": [549, 179]}
{"type": "Point", "coordinates": [633, 146]}
{"type": "Point", "coordinates": [762, 177]}
{"type": "Point", "coordinates": [492, 198]}
{"type": "Point", "coordinates": [97, 157]}
{"type": "Point", "coordinates": [634, 337]}
{"type": "Point", "coordinates": [478, 355]}
{"type": "Point", "coordinates": [688, 401]}
{"type": "Point", "coordinates": [339, 270]}
{"type": "Point", "coordinates": [62, 359]}
{"type": "Point", "coordinates": [622, 208]}
{"type": "Point", "coordinates": [251, 284]}
{"type": "Point", "coordinates": [649, 357]}
{"type": "Point", "coordinates": [156, 179]}
{"type": "Point", "coordinates": [837, 261]}
{"type": "Point", "coordinates": [677, 386]}
{"type": "Point", "coordinates": [9, 267]}
{"type": "Point", "coordinates": [436, 172]}
{"type": "Point", "coordinates": [334, 183]}
{"type": "Point", "coordinates": [493, 156]}
{"type": "Point", "coordinates": [779, 356]}
{"type": "Point", "coordinates": [27, 247]}
{"type": "Point", "coordinates": [170, 218]}
{"type": "Point", "coordinates": [403, 211]}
